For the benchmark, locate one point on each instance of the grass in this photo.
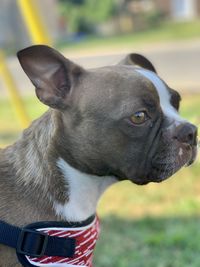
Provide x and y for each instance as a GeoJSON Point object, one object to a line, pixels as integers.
{"type": "Point", "coordinates": [10, 126]}
{"type": "Point", "coordinates": [152, 226]}
{"type": "Point", "coordinates": [149, 242]}
{"type": "Point", "coordinates": [168, 31]}
{"type": "Point", "coordinates": [149, 226]}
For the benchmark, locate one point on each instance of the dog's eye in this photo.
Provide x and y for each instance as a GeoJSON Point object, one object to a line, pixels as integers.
{"type": "Point", "coordinates": [139, 117]}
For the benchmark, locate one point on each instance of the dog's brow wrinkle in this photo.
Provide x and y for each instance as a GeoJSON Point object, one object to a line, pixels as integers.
{"type": "Point", "coordinates": [163, 93]}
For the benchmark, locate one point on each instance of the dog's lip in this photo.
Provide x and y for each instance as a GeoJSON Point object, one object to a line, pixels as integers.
{"type": "Point", "coordinates": [146, 178]}
{"type": "Point", "coordinates": [144, 182]}
{"type": "Point", "coordinates": [152, 177]}
{"type": "Point", "coordinates": [194, 151]}
{"type": "Point", "coordinates": [191, 150]}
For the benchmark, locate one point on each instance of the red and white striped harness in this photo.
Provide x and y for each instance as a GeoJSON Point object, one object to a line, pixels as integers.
{"type": "Point", "coordinates": [86, 238]}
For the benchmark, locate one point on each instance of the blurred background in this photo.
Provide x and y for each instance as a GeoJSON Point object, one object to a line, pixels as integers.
{"type": "Point", "coordinates": [151, 226]}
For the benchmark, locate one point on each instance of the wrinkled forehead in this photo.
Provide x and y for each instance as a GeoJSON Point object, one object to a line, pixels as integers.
{"type": "Point", "coordinates": [163, 93]}
{"type": "Point", "coordinates": [116, 89]}
{"type": "Point", "coordinates": [116, 84]}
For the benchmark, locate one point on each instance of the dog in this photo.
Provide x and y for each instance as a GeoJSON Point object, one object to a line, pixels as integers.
{"type": "Point", "coordinates": [104, 125]}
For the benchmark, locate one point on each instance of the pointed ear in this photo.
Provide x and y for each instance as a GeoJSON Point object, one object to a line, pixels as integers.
{"type": "Point", "coordinates": [138, 60]}
{"type": "Point", "coordinates": [51, 73]}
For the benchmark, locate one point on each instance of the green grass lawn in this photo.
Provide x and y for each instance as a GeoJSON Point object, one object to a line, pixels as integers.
{"type": "Point", "coordinates": [142, 226]}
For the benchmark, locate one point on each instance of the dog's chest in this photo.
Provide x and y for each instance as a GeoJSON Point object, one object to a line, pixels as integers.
{"type": "Point", "coordinates": [84, 192]}
{"type": "Point", "coordinates": [85, 237]}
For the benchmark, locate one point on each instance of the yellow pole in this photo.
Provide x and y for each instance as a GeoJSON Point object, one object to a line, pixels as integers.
{"type": "Point", "coordinates": [33, 22]}
{"type": "Point", "coordinates": [13, 92]}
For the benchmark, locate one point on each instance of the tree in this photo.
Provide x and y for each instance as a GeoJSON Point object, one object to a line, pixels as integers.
{"type": "Point", "coordinates": [83, 15]}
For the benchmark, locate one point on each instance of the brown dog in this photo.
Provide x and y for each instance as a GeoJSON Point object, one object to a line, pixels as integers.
{"type": "Point", "coordinates": [104, 125]}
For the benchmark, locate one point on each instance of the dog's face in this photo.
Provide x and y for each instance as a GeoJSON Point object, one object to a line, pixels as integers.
{"type": "Point", "coordinates": [118, 120]}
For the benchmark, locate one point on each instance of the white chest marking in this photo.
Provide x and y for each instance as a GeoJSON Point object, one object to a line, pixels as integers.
{"type": "Point", "coordinates": [164, 95]}
{"type": "Point", "coordinates": [84, 192]}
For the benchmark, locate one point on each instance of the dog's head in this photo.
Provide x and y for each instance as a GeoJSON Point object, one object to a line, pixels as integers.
{"type": "Point", "coordinates": [119, 120]}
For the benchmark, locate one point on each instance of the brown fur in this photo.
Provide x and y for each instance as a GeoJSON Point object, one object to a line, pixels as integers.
{"type": "Point", "coordinates": [90, 128]}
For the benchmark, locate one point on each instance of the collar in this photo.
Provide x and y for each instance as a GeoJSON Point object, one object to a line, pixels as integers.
{"type": "Point", "coordinates": [55, 244]}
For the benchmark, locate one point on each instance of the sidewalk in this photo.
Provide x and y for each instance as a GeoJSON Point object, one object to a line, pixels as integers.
{"type": "Point", "coordinates": [178, 63]}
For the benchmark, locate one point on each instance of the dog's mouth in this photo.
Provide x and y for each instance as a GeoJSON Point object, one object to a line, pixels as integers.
{"type": "Point", "coordinates": [164, 165]}
{"type": "Point", "coordinates": [163, 168]}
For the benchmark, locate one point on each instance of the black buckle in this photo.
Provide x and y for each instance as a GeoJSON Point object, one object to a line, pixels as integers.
{"type": "Point", "coordinates": [32, 243]}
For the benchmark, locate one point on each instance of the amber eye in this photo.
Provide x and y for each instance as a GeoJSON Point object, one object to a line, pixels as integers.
{"type": "Point", "coordinates": [139, 117]}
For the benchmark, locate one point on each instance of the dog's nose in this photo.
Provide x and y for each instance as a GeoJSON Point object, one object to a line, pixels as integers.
{"type": "Point", "coordinates": [186, 133]}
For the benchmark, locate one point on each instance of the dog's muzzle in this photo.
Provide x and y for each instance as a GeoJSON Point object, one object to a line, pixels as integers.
{"type": "Point", "coordinates": [175, 150]}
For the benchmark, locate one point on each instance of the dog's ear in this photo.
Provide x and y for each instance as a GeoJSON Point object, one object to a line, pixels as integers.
{"type": "Point", "coordinates": [50, 72]}
{"type": "Point", "coordinates": [138, 60]}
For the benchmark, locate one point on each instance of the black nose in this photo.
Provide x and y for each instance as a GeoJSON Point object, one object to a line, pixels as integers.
{"type": "Point", "coordinates": [186, 133]}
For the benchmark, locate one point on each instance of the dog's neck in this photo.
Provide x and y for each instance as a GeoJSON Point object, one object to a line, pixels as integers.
{"type": "Point", "coordinates": [84, 193]}
{"type": "Point", "coordinates": [71, 194]}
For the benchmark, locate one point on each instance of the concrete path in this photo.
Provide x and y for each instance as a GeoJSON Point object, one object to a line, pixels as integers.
{"type": "Point", "coordinates": [178, 63]}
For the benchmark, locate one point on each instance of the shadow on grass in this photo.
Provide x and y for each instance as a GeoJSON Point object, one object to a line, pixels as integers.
{"type": "Point", "coordinates": [149, 242]}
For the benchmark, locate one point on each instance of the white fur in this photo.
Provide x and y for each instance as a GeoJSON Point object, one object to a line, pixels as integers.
{"type": "Point", "coordinates": [164, 95]}
{"type": "Point", "coordinates": [84, 192]}
{"type": "Point", "coordinates": [53, 264]}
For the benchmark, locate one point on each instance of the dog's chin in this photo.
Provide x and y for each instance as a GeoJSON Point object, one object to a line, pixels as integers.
{"type": "Point", "coordinates": [163, 168]}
